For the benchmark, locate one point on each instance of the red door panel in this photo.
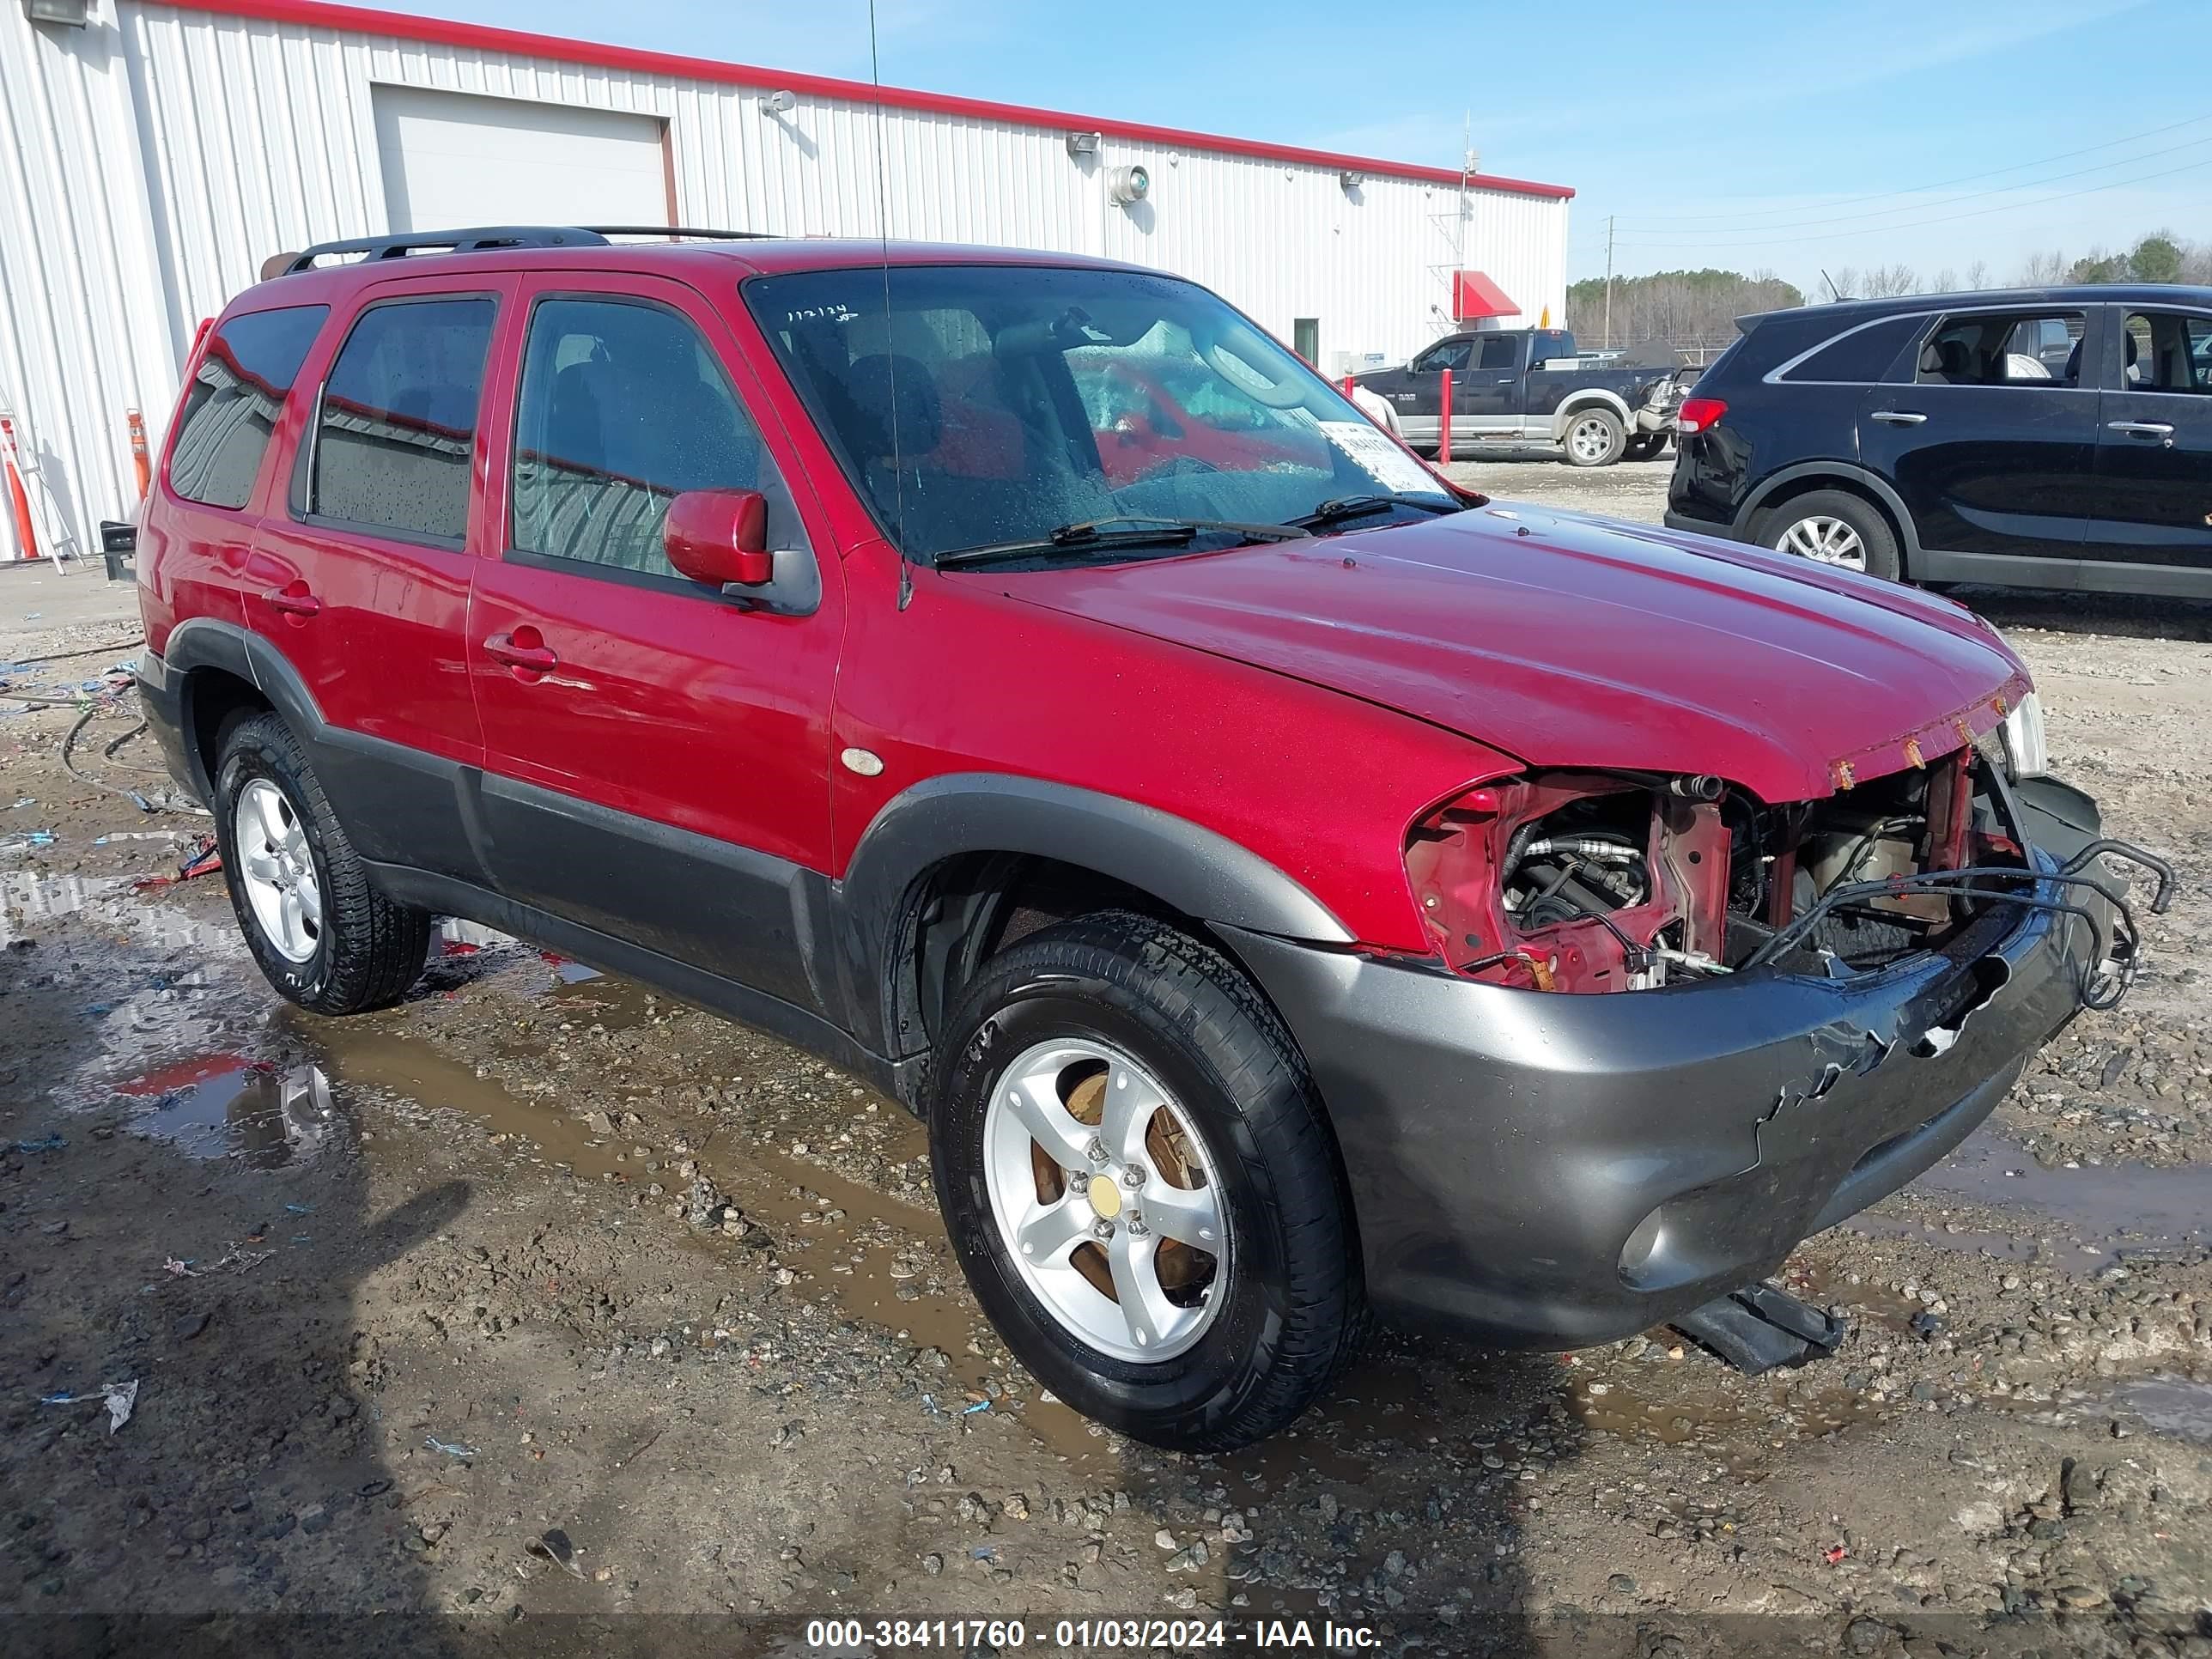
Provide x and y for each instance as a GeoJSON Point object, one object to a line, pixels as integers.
{"type": "Point", "coordinates": [656, 756]}
{"type": "Point", "coordinates": [361, 575]}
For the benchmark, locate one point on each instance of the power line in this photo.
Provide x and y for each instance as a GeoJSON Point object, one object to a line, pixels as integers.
{"type": "Point", "coordinates": [1946, 218]}
{"type": "Point", "coordinates": [1945, 184]}
{"type": "Point", "coordinates": [1970, 196]}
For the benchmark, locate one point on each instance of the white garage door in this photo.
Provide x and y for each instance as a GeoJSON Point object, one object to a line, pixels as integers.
{"type": "Point", "coordinates": [453, 159]}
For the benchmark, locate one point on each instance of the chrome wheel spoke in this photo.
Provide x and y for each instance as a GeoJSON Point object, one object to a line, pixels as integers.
{"type": "Point", "coordinates": [1190, 1215]}
{"type": "Point", "coordinates": [1130, 1102]}
{"type": "Point", "coordinates": [1053, 1230]}
{"type": "Point", "coordinates": [310, 895]}
{"type": "Point", "coordinates": [270, 813]}
{"type": "Point", "coordinates": [1036, 1101]}
{"type": "Point", "coordinates": [262, 867]}
{"type": "Point", "coordinates": [1146, 1308]}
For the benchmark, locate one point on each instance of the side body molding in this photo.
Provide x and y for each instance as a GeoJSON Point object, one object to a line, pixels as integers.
{"type": "Point", "coordinates": [1199, 872]}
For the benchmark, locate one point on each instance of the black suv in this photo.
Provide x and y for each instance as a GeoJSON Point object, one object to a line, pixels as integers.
{"type": "Point", "coordinates": [2042, 438]}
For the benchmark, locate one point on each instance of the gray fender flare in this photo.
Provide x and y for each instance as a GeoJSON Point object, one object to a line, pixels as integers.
{"type": "Point", "coordinates": [1197, 871]}
{"type": "Point", "coordinates": [1847, 473]}
{"type": "Point", "coordinates": [203, 642]}
{"type": "Point", "coordinates": [1579, 401]}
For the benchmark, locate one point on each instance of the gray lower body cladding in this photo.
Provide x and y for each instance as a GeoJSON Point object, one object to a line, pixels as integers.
{"type": "Point", "coordinates": [1505, 1147]}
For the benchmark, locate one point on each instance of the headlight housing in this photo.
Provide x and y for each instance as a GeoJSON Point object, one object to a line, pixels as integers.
{"type": "Point", "coordinates": [2026, 753]}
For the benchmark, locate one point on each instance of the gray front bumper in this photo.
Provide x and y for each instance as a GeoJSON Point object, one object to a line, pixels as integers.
{"type": "Point", "coordinates": [1502, 1146]}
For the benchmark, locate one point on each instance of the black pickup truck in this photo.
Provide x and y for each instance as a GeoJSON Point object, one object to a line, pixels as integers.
{"type": "Point", "coordinates": [1527, 386]}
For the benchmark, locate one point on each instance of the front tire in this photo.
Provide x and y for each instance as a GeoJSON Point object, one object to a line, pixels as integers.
{"type": "Point", "coordinates": [1833, 527]}
{"type": "Point", "coordinates": [321, 932]}
{"type": "Point", "coordinates": [1595, 437]}
{"type": "Point", "coordinates": [1141, 1186]}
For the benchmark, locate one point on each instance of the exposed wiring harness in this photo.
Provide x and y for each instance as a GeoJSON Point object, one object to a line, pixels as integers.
{"type": "Point", "coordinates": [2099, 990]}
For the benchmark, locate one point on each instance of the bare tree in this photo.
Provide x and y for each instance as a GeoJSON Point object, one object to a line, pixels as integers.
{"type": "Point", "coordinates": [1884, 281]}
{"type": "Point", "coordinates": [1945, 280]}
{"type": "Point", "coordinates": [1844, 283]}
{"type": "Point", "coordinates": [1978, 275]}
{"type": "Point", "coordinates": [2043, 269]}
{"type": "Point", "coordinates": [1681, 308]}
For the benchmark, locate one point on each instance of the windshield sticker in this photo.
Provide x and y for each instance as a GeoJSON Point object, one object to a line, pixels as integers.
{"type": "Point", "coordinates": [1394, 469]}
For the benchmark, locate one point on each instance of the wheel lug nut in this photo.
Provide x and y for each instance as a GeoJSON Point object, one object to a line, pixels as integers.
{"type": "Point", "coordinates": [1135, 1224]}
{"type": "Point", "coordinates": [1133, 1177]}
{"type": "Point", "coordinates": [1096, 1151]}
{"type": "Point", "coordinates": [1102, 1229]}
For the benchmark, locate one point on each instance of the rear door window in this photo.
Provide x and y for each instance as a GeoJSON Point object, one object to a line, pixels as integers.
{"type": "Point", "coordinates": [2168, 351]}
{"type": "Point", "coordinates": [236, 395]}
{"type": "Point", "coordinates": [1501, 351]}
{"type": "Point", "coordinates": [1861, 356]}
{"type": "Point", "coordinates": [396, 427]}
{"type": "Point", "coordinates": [2007, 348]}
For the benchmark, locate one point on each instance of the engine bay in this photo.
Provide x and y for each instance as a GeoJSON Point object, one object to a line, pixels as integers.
{"type": "Point", "coordinates": [1597, 882]}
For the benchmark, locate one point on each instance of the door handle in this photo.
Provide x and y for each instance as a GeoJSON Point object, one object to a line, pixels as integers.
{"type": "Point", "coordinates": [502, 647]}
{"type": "Point", "coordinates": [2142, 428]}
{"type": "Point", "coordinates": [1898, 417]}
{"type": "Point", "coordinates": [296, 604]}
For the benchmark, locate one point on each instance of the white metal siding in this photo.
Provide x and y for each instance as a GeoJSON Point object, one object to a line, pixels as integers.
{"type": "Point", "coordinates": [450, 158]}
{"type": "Point", "coordinates": [156, 158]}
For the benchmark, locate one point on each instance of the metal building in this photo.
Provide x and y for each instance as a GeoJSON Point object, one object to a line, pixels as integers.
{"type": "Point", "coordinates": [157, 152]}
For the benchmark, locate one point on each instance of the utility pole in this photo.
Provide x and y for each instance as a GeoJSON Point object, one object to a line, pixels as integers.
{"type": "Point", "coordinates": [1608, 281]}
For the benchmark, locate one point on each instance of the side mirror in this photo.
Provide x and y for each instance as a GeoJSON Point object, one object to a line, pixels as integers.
{"type": "Point", "coordinates": [719, 538]}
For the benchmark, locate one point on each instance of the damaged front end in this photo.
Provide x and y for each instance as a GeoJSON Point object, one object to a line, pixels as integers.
{"type": "Point", "coordinates": [1588, 882]}
{"type": "Point", "coordinates": [1671, 1029]}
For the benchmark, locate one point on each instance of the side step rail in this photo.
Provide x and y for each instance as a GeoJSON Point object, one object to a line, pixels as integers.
{"type": "Point", "coordinates": [1760, 1326]}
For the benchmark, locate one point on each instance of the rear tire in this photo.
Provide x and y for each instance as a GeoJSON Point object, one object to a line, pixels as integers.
{"type": "Point", "coordinates": [1833, 527]}
{"type": "Point", "coordinates": [321, 932]}
{"type": "Point", "coordinates": [1594, 437]}
{"type": "Point", "coordinates": [1252, 1329]}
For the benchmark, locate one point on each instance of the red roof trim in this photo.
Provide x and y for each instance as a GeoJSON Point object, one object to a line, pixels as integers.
{"type": "Point", "coordinates": [362, 20]}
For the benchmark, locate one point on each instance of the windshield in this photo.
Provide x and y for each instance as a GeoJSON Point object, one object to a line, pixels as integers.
{"type": "Point", "coordinates": [989, 405]}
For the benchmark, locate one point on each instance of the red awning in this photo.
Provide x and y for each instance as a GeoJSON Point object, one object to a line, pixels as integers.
{"type": "Point", "coordinates": [1474, 295]}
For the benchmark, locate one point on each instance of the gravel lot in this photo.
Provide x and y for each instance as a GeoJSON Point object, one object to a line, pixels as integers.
{"type": "Point", "coordinates": [543, 1251]}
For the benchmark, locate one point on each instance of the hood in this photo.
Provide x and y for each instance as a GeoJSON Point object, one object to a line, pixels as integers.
{"type": "Point", "coordinates": [1567, 641]}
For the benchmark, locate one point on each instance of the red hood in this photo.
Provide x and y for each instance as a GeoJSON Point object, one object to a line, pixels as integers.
{"type": "Point", "coordinates": [1567, 641]}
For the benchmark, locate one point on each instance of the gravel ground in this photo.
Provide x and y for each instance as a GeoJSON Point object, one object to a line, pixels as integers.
{"type": "Point", "coordinates": [540, 1251]}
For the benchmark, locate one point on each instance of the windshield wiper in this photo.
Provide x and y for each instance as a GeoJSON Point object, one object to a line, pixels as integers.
{"type": "Point", "coordinates": [1359, 507]}
{"type": "Point", "coordinates": [1122, 530]}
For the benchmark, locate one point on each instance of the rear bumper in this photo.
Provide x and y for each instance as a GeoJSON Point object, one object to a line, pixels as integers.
{"type": "Point", "coordinates": [1697, 527]}
{"type": "Point", "coordinates": [160, 695]}
{"type": "Point", "coordinates": [1505, 1147]}
{"type": "Point", "coordinates": [1657, 417]}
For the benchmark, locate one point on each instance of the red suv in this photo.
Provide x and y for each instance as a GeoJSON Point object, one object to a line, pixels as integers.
{"type": "Point", "coordinates": [1282, 881]}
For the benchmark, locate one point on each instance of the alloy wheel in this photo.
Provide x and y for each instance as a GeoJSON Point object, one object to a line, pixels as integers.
{"type": "Point", "coordinates": [283, 888]}
{"type": "Point", "coordinates": [1106, 1200]}
{"type": "Point", "coordinates": [1826, 541]}
{"type": "Point", "coordinates": [1590, 440]}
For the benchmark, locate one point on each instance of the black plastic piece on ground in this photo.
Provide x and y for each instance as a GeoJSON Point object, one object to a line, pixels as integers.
{"type": "Point", "coordinates": [1760, 1326]}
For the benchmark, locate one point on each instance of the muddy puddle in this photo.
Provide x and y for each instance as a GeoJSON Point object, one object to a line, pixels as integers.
{"type": "Point", "coordinates": [2116, 1207]}
{"type": "Point", "coordinates": [30, 903]}
{"type": "Point", "coordinates": [2177, 1405]}
{"type": "Point", "coordinates": [224, 1106]}
{"type": "Point", "coordinates": [871, 1257]}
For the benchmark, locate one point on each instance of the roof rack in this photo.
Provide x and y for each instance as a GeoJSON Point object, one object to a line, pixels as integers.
{"type": "Point", "coordinates": [482, 237]}
{"type": "Point", "coordinates": [476, 240]}
{"type": "Point", "coordinates": [682, 230]}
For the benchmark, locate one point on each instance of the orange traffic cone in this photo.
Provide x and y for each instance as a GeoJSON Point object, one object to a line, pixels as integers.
{"type": "Point", "coordinates": [27, 538]}
{"type": "Point", "coordinates": [140, 461]}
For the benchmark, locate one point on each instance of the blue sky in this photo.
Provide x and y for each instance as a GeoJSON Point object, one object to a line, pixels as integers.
{"type": "Point", "coordinates": [1779, 136]}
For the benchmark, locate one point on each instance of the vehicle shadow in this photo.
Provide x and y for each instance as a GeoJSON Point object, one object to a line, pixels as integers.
{"type": "Point", "coordinates": [1399, 1505]}
{"type": "Point", "coordinates": [246, 1503]}
{"type": "Point", "coordinates": [2135, 616]}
